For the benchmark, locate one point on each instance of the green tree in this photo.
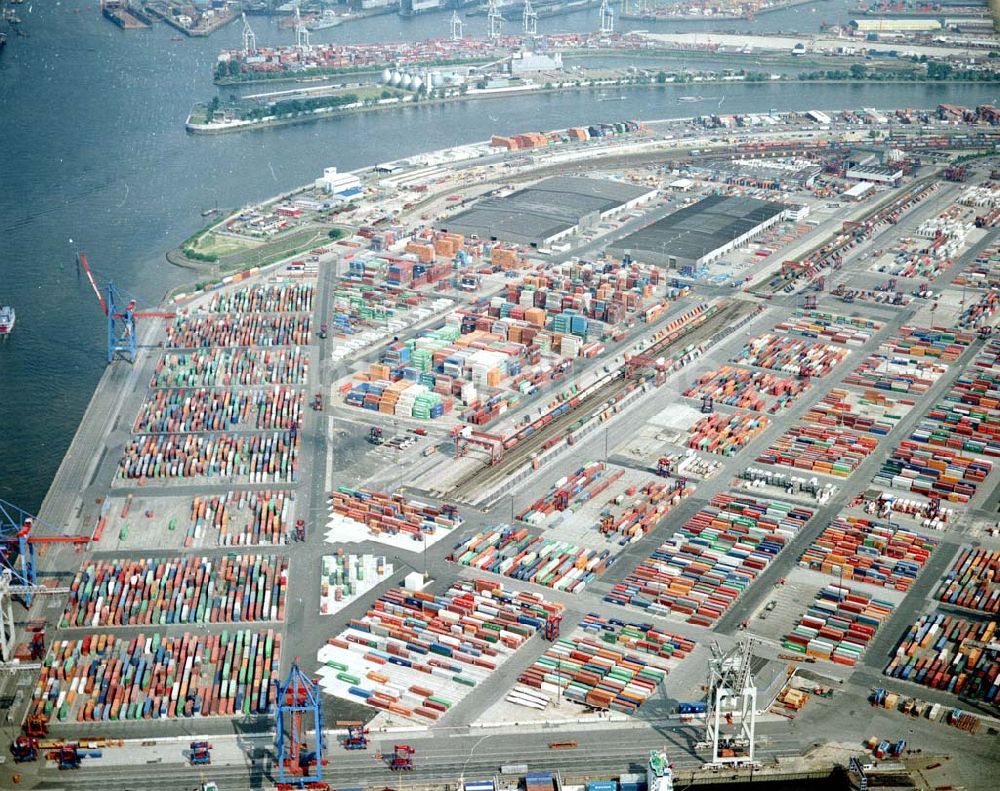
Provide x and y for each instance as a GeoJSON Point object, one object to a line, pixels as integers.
{"type": "Point", "coordinates": [234, 68]}
{"type": "Point", "coordinates": [858, 71]}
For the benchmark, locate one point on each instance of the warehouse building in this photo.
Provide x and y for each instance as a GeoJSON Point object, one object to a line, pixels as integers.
{"type": "Point", "coordinates": [900, 24]}
{"type": "Point", "coordinates": [702, 233]}
{"type": "Point", "coordinates": [546, 212]}
{"type": "Point", "coordinates": [878, 174]}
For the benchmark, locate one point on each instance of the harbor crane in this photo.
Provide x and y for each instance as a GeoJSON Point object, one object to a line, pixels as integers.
{"type": "Point", "coordinates": [299, 704]}
{"type": "Point", "coordinates": [357, 736]}
{"type": "Point", "coordinates": [494, 20]}
{"type": "Point", "coordinates": [607, 18]}
{"type": "Point", "coordinates": [121, 314]}
{"type": "Point", "coordinates": [456, 26]}
{"type": "Point", "coordinates": [530, 19]}
{"type": "Point", "coordinates": [465, 436]}
{"type": "Point", "coordinates": [18, 576]}
{"type": "Point", "coordinates": [402, 758]}
{"type": "Point", "coordinates": [301, 32]}
{"type": "Point", "coordinates": [732, 702]}
{"type": "Point", "coordinates": [249, 38]}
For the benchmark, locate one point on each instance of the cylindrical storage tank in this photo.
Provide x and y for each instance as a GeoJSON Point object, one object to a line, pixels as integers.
{"type": "Point", "coordinates": [417, 84]}
{"type": "Point", "coordinates": [406, 82]}
{"type": "Point", "coordinates": [396, 78]}
{"type": "Point", "coordinates": [386, 76]}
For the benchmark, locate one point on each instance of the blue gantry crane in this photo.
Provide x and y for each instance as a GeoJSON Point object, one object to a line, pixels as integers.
{"type": "Point", "coordinates": [17, 547]}
{"type": "Point", "coordinates": [121, 315]}
{"type": "Point", "coordinates": [299, 702]}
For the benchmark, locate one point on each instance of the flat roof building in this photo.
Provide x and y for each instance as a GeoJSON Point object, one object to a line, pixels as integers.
{"type": "Point", "coordinates": [546, 212]}
{"type": "Point", "coordinates": [880, 174]}
{"type": "Point", "coordinates": [701, 233]}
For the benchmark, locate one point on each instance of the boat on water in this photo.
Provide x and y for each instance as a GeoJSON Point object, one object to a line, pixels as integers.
{"type": "Point", "coordinates": [7, 317]}
{"type": "Point", "coordinates": [210, 212]}
{"type": "Point", "coordinates": [326, 20]}
{"type": "Point", "coordinates": [690, 98]}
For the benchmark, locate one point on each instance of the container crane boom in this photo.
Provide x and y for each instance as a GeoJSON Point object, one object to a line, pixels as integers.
{"type": "Point", "coordinates": [81, 260]}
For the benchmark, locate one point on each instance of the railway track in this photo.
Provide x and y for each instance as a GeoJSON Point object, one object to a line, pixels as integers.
{"type": "Point", "coordinates": [478, 485]}
{"type": "Point", "coordinates": [832, 249]}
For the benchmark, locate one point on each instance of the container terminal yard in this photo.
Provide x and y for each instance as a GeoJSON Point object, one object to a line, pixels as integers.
{"type": "Point", "coordinates": [639, 453]}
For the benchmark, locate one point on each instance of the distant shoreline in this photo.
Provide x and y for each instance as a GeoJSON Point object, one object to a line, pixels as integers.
{"type": "Point", "coordinates": [337, 112]}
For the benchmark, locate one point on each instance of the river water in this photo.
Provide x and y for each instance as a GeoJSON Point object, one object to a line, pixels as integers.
{"type": "Point", "coordinates": [94, 157]}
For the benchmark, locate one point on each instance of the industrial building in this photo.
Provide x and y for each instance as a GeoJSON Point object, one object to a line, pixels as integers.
{"type": "Point", "coordinates": [527, 62]}
{"type": "Point", "coordinates": [701, 233]}
{"type": "Point", "coordinates": [546, 212]}
{"type": "Point", "coordinates": [904, 24]}
{"type": "Point", "coordinates": [344, 185]}
{"type": "Point", "coordinates": [879, 174]}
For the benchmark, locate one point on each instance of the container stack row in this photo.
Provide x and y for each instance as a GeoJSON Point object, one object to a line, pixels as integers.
{"type": "Point", "coordinates": [603, 293]}
{"type": "Point", "coordinates": [256, 458]}
{"type": "Point", "coordinates": [850, 330]}
{"type": "Point", "coordinates": [824, 449]}
{"type": "Point", "coordinates": [595, 675]}
{"type": "Point", "coordinates": [416, 654]}
{"type": "Point", "coordinates": [345, 577]}
{"type": "Point", "coordinates": [856, 548]}
{"type": "Point", "coordinates": [571, 491]}
{"type": "Point", "coordinates": [725, 435]}
{"type": "Point", "coordinates": [101, 677]}
{"type": "Point", "coordinates": [738, 387]}
{"type": "Point", "coordinates": [181, 590]}
{"type": "Point", "coordinates": [231, 367]}
{"type": "Point", "coordinates": [898, 373]}
{"type": "Point", "coordinates": [939, 343]}
{"type": "Point", "coordinates": [200, 409]}
{"type": "Point", "coordinates": [365, 317]}
{"type": "Point", "coordinates": [242, 518]}
{"type": "Point", "coordinates": [978, 312]}
{"type": "Point", "coordinates": [984, 271]}
{"type": "Point", "coordinates": [933, 471]}
{"type": "Point", "coordinates": [973, 582]}
{"type": "Point", "coordinates": [381, 512]}
{"type": "Point", "coordinates": [871, 412]}
{"type": "Point", "coordinates": [643, 638]}
{"type": "Point", "coordinates": [715, 556]}
{"type": "Point", "coordinates": [929, 515]}
{"type": "Point", "coordinates": [402, 398]}
{"type": "Point", "coordinates": [791, 355]}
{"type": "Point", "coordinates": [979, 384]}
{"type": "Point", "coordinates": [265, 298]}
{"type": "Point", "coordinates": [951, 654]}
{"type": "Point", "coordinates": [961, 428]}
{"type": "Point", "coordinates": [241, 329]}
{"type": "Point", "coordinates": [513, 552]}
{"type": "Point", "coordinates": [839, 625]}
